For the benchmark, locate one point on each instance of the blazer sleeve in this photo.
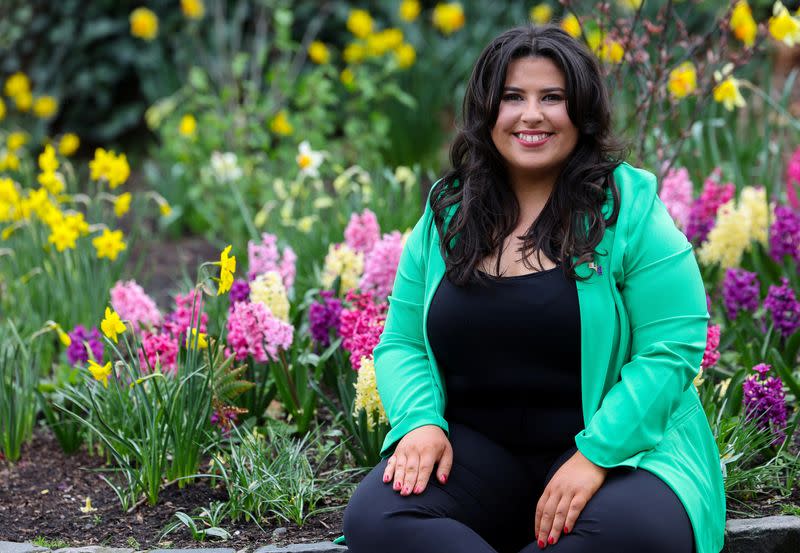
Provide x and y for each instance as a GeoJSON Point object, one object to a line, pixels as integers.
{"type": "Point", "coordinates": [403, 371]}
{"type": "Point", "coordinates": [665, 300]}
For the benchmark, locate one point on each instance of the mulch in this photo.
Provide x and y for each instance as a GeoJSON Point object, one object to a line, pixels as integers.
{"type": "Point", "coordinates": [42, 495]}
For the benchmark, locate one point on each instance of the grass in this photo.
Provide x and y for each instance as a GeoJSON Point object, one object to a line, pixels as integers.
{"type": "Point", "coordinates": [42, 541]}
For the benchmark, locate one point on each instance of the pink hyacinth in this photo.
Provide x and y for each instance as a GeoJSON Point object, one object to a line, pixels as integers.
{"type": "Point", "coordinates": [711, 355]}
{"type": "Point", "coordinates": [703, 213]}
{"type": "Point", "coordinates": [179, 321]}
{"type": "Point", "coordinates": [361, 325]}
{"type": "Point", "coordinates": [254, 330]}
{"type": "Point", "coordinates": [265, 257]}
{"type": "Point", "coordinates": [159, 348]}
{"type": "Point", "coordinates": [793, 179]}
{"type": "Point", "coordinates": [380, 265]}
{"type": "Point", "coordinates": [133, 304]}
{"type": "Point", "coordinates": [363, 231]}
{"type": "Point", "coordinates": [676, 193]}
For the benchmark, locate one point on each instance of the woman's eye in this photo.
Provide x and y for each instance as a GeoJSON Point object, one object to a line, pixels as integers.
{"type": "Point", "coordinates": [552, 98]}
{"type": "Point", "coordinates": [511, 97]}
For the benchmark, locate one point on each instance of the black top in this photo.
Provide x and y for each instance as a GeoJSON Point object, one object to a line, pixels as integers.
{"type": "Point", "coordinates": [509, 353]}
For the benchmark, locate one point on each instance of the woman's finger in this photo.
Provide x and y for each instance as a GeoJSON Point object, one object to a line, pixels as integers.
{"type": "Point", "coordinates": [389, 471]}
{"type": "Point", "coordinates": [548, 514]}
{"type": "Point", "coordinates": [558, 520]}
{"type": "Point", "coordinates": [575, 509]}
{"type": "Point", "coordinates": [412, 470]}
{"type": "Point", "coordinates": [399, 471]}
{"type": "Point", "coordinates": [425, 470]}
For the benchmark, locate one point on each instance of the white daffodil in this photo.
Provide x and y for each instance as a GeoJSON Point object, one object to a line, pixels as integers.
{"type": "Point", "coordinates": [225, 166]}
{"type": "Point", "coordinates": [308, 160]}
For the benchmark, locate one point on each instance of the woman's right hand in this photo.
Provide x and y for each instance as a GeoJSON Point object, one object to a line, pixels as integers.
{"type": "Point", "coordinates": [413, 459]}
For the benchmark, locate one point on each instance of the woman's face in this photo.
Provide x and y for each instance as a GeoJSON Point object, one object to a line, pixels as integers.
{"type": "Point", "coordinates": [533, 131]}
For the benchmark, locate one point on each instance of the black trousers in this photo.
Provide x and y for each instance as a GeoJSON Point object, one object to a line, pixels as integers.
{"type": "Point", "coordinates": [488, 505]}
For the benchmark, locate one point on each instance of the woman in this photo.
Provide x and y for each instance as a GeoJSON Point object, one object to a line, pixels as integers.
{"type": "Point", "coordinates": [545, 327]}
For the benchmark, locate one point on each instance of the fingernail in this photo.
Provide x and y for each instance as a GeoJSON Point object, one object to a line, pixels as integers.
{"type": "Point", "coordinates": [541, 544]}
{"type": "Point", "coordinates": [396, 486]}
{"type": "Point", "coordinates": [406, 490]}
{"type": "Point", "coordinates": [566, 530]}
{"type": "Point", "coordinates": [385, 478]}
{"type": "Point", "coordinates": [418, 489]}
{"type": "Point", "coordinates": [551, 540]}
{"type": "Point", "coordinates": [444, 479]}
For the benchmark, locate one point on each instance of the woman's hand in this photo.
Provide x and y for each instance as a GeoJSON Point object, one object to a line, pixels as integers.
{"type": "Point", "coordinates": [567, 493]}
{"type": "Point", "coordinates": [413, 459]}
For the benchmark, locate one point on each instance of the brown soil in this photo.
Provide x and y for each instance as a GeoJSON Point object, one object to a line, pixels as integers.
{"type": "Point", "coordinates": [42, 495]}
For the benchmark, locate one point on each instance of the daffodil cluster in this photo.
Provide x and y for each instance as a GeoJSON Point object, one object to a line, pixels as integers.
{"type": "Point", "coordinates": [18, 89]}
{"type": "Point", "coordinates": [109, 167]}
{"type": "Point", "coordinates": [370, 43]}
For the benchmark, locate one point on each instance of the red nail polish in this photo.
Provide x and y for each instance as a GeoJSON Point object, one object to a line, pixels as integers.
{"type": "Point", "coordinates": [551, 540]}
{"type": "Point", "coordinates": [541, 544]}
{"type": "Point", "coordinates": [385, 479]}
{"type": "Point", "coordinates": [444, 479]}
{"type": "Point", "coordinates": [566, 530]}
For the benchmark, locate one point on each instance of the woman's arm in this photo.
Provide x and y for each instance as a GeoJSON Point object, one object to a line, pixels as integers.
{"type": "Point", "coordinates": [665, 299]}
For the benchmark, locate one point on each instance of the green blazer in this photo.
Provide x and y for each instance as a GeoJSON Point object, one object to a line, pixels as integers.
{"type": "Point", "coordinates": [643, 333]}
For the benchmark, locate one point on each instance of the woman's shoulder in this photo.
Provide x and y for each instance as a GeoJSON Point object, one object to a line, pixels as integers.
{"type": "Point", "coordinates": [637, 190]}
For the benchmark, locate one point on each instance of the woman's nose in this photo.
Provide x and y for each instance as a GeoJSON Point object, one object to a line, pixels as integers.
{"type": "Point", "coordinates": [532, 113]}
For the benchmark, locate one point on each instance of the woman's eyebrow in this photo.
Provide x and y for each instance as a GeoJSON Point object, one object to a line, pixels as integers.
{"type": "Point", "coordinates": [542, 90]}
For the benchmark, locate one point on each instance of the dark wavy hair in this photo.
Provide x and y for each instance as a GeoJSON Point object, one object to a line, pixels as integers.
{"type": "Point", "coordinates": [488, 210]}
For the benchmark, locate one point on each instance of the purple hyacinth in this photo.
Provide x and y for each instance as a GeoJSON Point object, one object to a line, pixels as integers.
{"type": "Point", "coordinates": [764, 399]}
{"type": "Point", "coordinates": [76, 352]}
{"type": "Point", "coordinates": [740, 291]}
{"type": "Point", "coordinates": [240, 291]}
{"type": "Point", "coordinates": [703, 212]}
{"type": "Point", "coordinates": [784, 308]}
{"type": "Point", "coordinates": [784, 234]}
{"type": "Point", "coordinates": [323, 316]}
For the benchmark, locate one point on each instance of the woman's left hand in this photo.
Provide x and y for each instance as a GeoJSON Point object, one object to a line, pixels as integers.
{"type": "Point", "coordinates": [565, 496]}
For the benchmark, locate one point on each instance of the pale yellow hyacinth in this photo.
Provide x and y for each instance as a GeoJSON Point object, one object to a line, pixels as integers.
{"type": "Point", "coordinates": [268, 288]}
{"type": "Point", "coordinates": [367, 398]}
{"type": "Point", "coordinates": [344, 262]}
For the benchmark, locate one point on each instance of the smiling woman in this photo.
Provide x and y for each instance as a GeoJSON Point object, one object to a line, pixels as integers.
{"type": "Point", "coordinates": [554, 408]}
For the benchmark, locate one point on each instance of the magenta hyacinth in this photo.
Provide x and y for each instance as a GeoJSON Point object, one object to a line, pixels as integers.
{"type": "Point", "coordinates": [134, 305]}
{"type": "Point", "coordinates": [77, 353]}
{"type": "Point", "coordinates": [179, 321]}
{"type": "Point", "coordinates": [676, 193]}
{"type": "Point", "coordinates": [362, 231]}
{"type": "Point", "coordinates": [784, 234]}
{"type": "Point", "coordinates": [782, 304]}
{"type": "Point", "coordinates": [361, 325]}
{"type": "Point", "coordinates": [711, 355]}
{"type": "Point", "coordinates": [240, 291]}
{"type": "Point", "coordinates": [253, 330]}
{"type": "Point", "coordinates": [158, 348]}
{"type": "Point", "coordinates": [765, 400]}
{"type": "Point", "coordinates": [380, 265]}
{"type": "Point", "coordinates": [703, 212]}
{"type": "Point", "coordinates": [265, 257]}
{"type": "Point", "coordinates": [740, 292]}
{"type": "Point", "coordinates": [793, 179]}
{"type": "Point", "coordinates": [323, 316]}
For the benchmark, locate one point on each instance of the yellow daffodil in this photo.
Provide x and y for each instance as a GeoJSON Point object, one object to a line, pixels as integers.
{"type": "Point", "coordinates": [109, 244]}
{"type": "Point", "coordinates": [784, 27]}
{"type": "Point", "coordinates": [727, 89]}
{"type": "Point", "coordinates": [76, 222]}
{"type": "Point", "coordinates": [47, 159]}
{"type": "Point", "coordinates": [45, 107]}
{"type": "Point", "coordinates": [392, 37]}
{"type": "Point", "coordinates": [188, 125]}
{"type": "Point", "coordinates": [201, 339]}
{"type": "Point", "coordinates": [62, 336]}
{"type": "Point", "coordinates": [16, 140]}
{"type": "Point", "coordinates": [52, 181]}
{"type": "Point", "coordinates": [449, 17]}
{"type": "Point", "coordinates": [571, 25]}
{"type": "Point", "coordinates": [63, 237]}
{"type": "Point", "coordinates": [405, 55]}
{"type": "Point", "coordinates": [144, 24]}
{"type": "Point", "coordinates": [611, 51]}
{"type": "Point", "coordinates": [280, 124]}
{"type": "Point", "coordinates": [193, 9]}
{"type": "Point", "coordinates": [122, 204]}
{"type": "Point", "coordinates": [354, 53]}
{"type": "Point", "coordinates": [87, 508]}
{"type": "Point", "coordinates": [742, 24]}
{"type": "Point", "coordinates": [630, 4]}
{"type": "Point", "coordinates": [227, 266]}
{"type": "Point", "coordinates": [101, 374]}
{"type": "Point", "coordinates": [9, 160]}
{"type": "Point", "coordinates": [68, 144]}
{"type": "Point", "coordinates": [164, 208]}
{"type": "Point", "coordinates": [359, 22]}
{"type": "Point", "coordinates": [23, 101]}
{"type": "Point", "coordinates": [112, 325]}
{"type": "Point", "coordinates": [2, 109]}
{"type": "Point", "coordinates": [409, 10]}
{"type": "Point", "coordinates": [347, 77]}
{"type": "Point", "coordinates": [109, 166]}
{"type": "Point", "coordinates": [682, 80]}
{"type": "Point", "coordinates": [17, 84]}
{"type": "Point", "coordinates": [541, 13]}
{"type": "Point", "coordinates": [319, 53]}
